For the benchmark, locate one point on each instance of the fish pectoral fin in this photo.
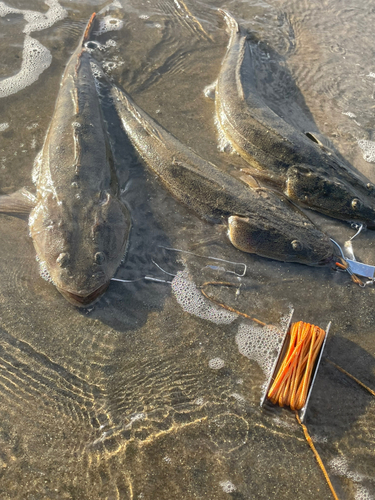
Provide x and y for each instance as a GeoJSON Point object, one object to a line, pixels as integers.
{"type": "Point", "coordinates": [248, 179]}
{"type": "Point", "coordinates": [19, 203]}
{"type": "Point", "coordinates": [320, 139]}
{"type": "Point", "coordinates": [240, 233]}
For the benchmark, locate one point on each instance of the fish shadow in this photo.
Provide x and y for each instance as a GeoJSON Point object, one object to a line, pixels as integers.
{"type": "Point", "coordinates": [126, 305]}
{"type": "Point", "coordinates": [275, 84]}
{"type": "Point", "coordinates": [338, 401]}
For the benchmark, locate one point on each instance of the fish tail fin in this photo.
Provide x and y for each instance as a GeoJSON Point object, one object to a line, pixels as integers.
{"type": "Point", "coordinates": [229, 19]}
{"type": "Point", "coordinates": [89, 28]}
{"type": "Point", "coordinates": [19, 203]}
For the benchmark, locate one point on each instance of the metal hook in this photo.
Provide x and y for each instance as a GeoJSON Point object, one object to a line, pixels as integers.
{"type": "Point", "coordinates": [356, 269]}
{"type": "Point", "coordinates": [161, 269]}
{"type": "Point", "coordinates": [210, 258]}
{"type": "Point", "coordinates": [338, 246]}
{"type": "Point", "coordinates": [359, 228]}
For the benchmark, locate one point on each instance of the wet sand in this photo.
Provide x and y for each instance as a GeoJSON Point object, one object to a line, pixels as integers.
{"type": "Point", "coordinates": [119, 401]}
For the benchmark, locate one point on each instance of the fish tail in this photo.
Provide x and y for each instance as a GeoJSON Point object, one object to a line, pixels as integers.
{"type": "Point", "coordinates": [229, 19]}
{"type": "Point", "coordinates": [89, 28]}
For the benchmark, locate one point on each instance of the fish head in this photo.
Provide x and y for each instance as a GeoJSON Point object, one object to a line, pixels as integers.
{"type": "Point", "coordinates": [281, 240]}
{"type": "Point", "coordinates": [80, 254]}
{"type": "Point", "coordinates": [329, 195]}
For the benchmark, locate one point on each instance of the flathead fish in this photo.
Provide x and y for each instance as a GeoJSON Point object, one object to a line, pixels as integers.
{"type": "Point", "coordinates": [258, 220]}
{"type": "Point", "coordinates": [78, 224]}
{"type": "Point", "coordinates": [305, 170]}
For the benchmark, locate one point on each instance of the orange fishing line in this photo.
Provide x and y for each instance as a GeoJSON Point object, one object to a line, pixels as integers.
{"type": "Point", "coordinates": [319, 460]}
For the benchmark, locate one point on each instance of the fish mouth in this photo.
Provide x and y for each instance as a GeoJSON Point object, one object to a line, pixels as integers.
{"type": "Point", "coordinates": [82, 300]}
{"type": "Point", "coordinates": [327, 260]}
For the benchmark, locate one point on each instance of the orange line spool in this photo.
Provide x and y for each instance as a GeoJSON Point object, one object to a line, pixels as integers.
{"type": "Point", "coordinates": [296, 366]}
{"type": "Point", "coordinates": [292, 382]}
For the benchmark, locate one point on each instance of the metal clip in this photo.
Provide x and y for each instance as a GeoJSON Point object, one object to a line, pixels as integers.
{"type": "Point", "coordinates": [281, 350]}
{"type": "Point", "coordinates": [356, 268]}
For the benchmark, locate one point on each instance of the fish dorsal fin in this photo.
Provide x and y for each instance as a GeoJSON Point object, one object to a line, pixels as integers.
{"type": "Point", "coordinates": [232, 24]}
{"type": "Point", "coordinates": [146, 124]}
{"type": "Point", "coordinates": [89, 28]}
{"type": "Point", "coordinates": [152, 131]}
{"type": "Point", "coordinates": [245, 73]}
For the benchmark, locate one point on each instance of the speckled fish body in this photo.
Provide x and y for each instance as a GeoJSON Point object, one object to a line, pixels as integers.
{"type": "Point", "coordinates": [258, 220]}
{"type": "Point", "coordinates": [79, 225]}
{"type": "Point", "coordinates": [299, 164]}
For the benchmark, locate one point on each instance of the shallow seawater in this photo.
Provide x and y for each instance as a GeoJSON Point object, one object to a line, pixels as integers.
{"type": "Point", "coordinates": [146, 394]}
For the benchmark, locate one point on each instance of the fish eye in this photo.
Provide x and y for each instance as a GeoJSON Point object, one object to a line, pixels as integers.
{"type": "Point", "coordinates": [356, 203]}
{"type": "Point", "coordinates": [63, 259]}
{"type": "Point", "coordinates": [296, 245]}
{"type": "Point", "coordinates": [104, 198]}
{"type": "Point", "coordinates": [99, 257]}
{"type": "Point", "coordinates": [370, 186]}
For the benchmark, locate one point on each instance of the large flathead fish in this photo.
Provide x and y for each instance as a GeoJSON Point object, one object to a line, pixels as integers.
{"type": "Point", "coordinates": [258, 221]}
{"type": "Point", "coordinates": [78, 224]}
{"type": "Point", "coordinates": [305, 170]}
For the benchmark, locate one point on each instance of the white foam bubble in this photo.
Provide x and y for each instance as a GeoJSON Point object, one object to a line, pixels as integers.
{"type": "Point", "coordinates": [216, 363]}
{"type": "Point", "coordinates": [35, 59]}
{"type": "Point", "coordinates": [260, 343]}
{"type": "Point", "coordinates": [223, 143]}
{"type": "Point", "coordinates": [350, 114]}
{"type": "Point", "coordinates": [193, 302]}
{"type": "Point", "coordinates": [109, 23]}
{"type": "Point", "coordinates": [238, 397]}
{"type": "Point", "coordinates": [37, 21]}
{"type": "Point", "coordinates": [362, 493]}
{"type": "Point", "coordinates": [227, 486]}
{"type": "Point", "coordinates": [368, 148]}
{"type": "Point", "coordinates": [340, 466]}
{"type": "Point", "coordinates": [98, 74]}
{"type": "Point", "coordinates": [43, 271]}
{"type": "Point", "coordinates": [109, 66]}
{"type": "Point", "coordinates": [96, 70]}
{"type": "Point", "coordinates": [3, 126]}
{"type": "Point", "coordinates": [33, 125]}
{"type": "Point", "coordinates": [371, 74]}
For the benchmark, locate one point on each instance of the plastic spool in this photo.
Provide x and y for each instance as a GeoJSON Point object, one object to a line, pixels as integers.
{"type": "Point", "coordinates": [278, 361]}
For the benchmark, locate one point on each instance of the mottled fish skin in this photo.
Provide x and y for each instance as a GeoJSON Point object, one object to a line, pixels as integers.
{"type": "Point", "coordinates": [258, 220]}
{"type": "Point", "coordinates": [306, 171]}
{"type": "Point", "coordinates": [79, 225]}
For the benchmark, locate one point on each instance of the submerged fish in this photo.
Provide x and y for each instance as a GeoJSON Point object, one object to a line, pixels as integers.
{"type": "Point", "coordinates": [78, 224]}
{"type": "Point", "coordinates": [306, 171]}
{"type": "Point", "coordinates": [258, 220]}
